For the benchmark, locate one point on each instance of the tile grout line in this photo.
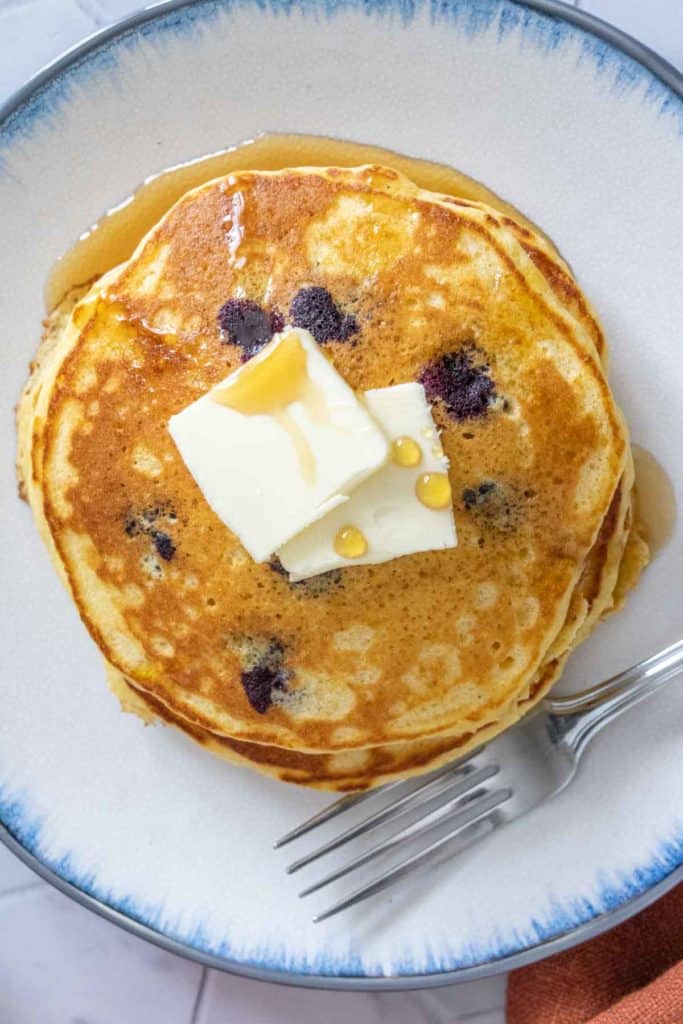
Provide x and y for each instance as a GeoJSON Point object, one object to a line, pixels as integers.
{"type": "Point", "coordinates": [435, 1004]}
{"type": "Point", "coordinates": [24, 887]}
{"type": "Point", "coordinates": [199, 997]}
{"type": "Point", "coordinates": [91, 11]}
{"type": "Point", "coordinates": [471, 1016]}
{"type": "Point", "coordinates": [431, 1013]}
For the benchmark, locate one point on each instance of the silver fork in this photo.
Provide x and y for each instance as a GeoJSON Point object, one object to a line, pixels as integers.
{"type": "Point", "coordinates": [446, 810]}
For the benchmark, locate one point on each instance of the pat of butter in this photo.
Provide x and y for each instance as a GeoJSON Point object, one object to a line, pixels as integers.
{"type": "Point", "coordinates": [385, 508]}
{"type": "Point", "coordinates": [279, 443]}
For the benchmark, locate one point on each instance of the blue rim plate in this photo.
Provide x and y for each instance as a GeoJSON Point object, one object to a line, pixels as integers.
{"type": "Point", "coordinates": [570, 119]}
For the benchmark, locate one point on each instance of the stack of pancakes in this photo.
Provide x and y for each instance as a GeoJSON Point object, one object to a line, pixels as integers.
{"type": "Point", "coordinates": [369, 673]}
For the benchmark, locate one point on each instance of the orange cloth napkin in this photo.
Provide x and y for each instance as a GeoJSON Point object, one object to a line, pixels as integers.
{"type": "Point", "coordinates": [630, 975]}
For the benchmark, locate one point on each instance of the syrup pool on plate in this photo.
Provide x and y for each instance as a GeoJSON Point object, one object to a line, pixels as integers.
{"type": "Point", "coordinates": [114, 237]}
{"type": "Point", "coordinates": [655, 499]}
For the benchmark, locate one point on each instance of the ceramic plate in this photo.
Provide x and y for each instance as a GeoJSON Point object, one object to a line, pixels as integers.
{"type": "Point", "coordinates": [579, 127]}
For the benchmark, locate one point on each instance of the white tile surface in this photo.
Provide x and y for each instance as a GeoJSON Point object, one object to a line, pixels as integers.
{"type": "Point", "coordinates": [24, 48]}
{"type": "Point", "coordinates": [59, 964]}
{"type": "Point", "coordinates": [258, 1003]}
{"type": "Point", "coordinates": [13, 874]}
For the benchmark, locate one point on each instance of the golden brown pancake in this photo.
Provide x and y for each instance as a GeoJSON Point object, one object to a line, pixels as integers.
{"type": "Point", "coordinates": [365, 768]}
{"type": "Point", "coordinates": [416, 287]}
{"type": "Point", "coordinates": [343, 771]}
{"type": "Point", "coordinates": [362, 769]}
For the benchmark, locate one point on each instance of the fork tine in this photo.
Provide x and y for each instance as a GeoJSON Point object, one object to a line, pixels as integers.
{"type": "Point", "coordinates": [477, 812]}
{"type": "Point", "coordinates": [402, 835]}
{"type": "Point", "coordinates": [353, 800]}
{"type": "Point", "coordinates": [465, 777]}
{"type": "Point", "coordinates": [345, 803]}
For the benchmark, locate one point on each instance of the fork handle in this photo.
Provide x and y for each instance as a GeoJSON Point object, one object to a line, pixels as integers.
{"type": "Point", "coordinates": [578, 717]}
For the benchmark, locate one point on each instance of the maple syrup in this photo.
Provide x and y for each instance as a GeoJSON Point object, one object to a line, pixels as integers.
{"type": "Point", "coordinates": [114, 237]}
{"type": "Point", "coordinates": [267, 386]}
{"type": "Point", "coordinates": [406, 452]}
{"type": "Point", "coordinates": [434, 490]}
{"type": "Point", "coordinates": [350, 542]}
{"type": "Point", "coordinates": [655, 499]}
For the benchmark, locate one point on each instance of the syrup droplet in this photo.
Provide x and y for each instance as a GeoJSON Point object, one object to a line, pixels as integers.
{"type": "Point", "coordinates": [406, 452]}
{"type": "Point", "coordinates": [350, 542]}
{"type": "Point", "coordinates": [434, 490]}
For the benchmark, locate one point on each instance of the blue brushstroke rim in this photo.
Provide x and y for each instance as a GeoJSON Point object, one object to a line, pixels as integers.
{"type": "Point", "coordinates": [619, 901]}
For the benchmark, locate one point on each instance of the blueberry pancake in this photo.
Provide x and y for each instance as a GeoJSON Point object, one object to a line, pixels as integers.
{"type": "Point", "coordinates": [395, 285]}
{"type": "Point", "coordinates": [611, 569]}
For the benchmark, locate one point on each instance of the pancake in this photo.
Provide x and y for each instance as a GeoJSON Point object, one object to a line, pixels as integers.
{"type": "Point", "coordinates": [438, 290]}
{"type": "Point", "coordinates": [344, 771]}
{"type": "Point", "coordinates": [554, 269]}
{"type": "Point", "coordinates": [361, 769]}
{"type": "Point", "coordinates": [357, 770]}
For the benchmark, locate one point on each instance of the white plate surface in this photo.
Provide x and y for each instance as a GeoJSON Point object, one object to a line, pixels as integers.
{"type": "Point", "coordinates": [584, 139]}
